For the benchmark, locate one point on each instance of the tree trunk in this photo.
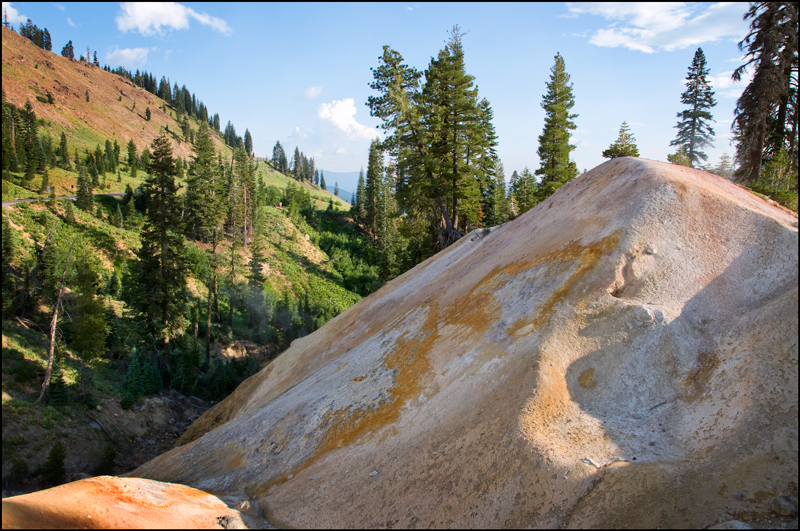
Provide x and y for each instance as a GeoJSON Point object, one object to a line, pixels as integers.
{"type": "Point", "coordinates": [756, 153]}
{"type": "Point", "coordinates": [230, 304]}
{"type": "Point", "coordinates": [208, 321]}
{"type": "Point", "coordinates": [53, 323]}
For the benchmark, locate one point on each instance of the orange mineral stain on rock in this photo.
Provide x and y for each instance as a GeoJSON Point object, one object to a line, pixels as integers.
{"type": "Point", "coordinates": [586, 379]}
{"type": "Point", "coordinates": [482, 388]}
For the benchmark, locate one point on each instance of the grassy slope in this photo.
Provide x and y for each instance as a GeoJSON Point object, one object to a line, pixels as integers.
{"type": "Point", "coordinates": [294, 263]}
{"type": "Point", "coordinates": [115, 111]}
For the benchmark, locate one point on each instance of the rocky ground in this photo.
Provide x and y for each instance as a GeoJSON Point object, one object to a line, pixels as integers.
{"type": "Point", "coordinates": [146, 430]}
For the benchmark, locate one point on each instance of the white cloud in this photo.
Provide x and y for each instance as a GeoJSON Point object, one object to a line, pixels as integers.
{"type": "Point", "coordinates": [60, 7]}
{"type": "Point", "coordinates": [128, 57]}
{"type": "Point", "coordinates": [636, 123]}
{"type": "Point", "coordinates": [166, 55]}
{"type": "Point", "coordinates": [651, 27]}
{"type": "Point", "coordinates": [13, 15]}
{"type": "Point", "coordinates": [150, 18]}
{"type": "Point", "coordinates": [410, 8]}
{"type": "Point", "coordinates": [341, 151]}
{"type": "Point", "coordinates": [725, 87]}
{"type": "Point", "coordinates": [312, 92]}
{"type": "Point", "coordinates": [69, 21]}
{"type": "Point", "coordinates": [341, 114]}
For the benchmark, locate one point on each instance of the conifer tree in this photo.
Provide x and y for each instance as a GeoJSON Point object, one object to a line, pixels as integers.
{"type": "Point", "coordinates": [680, 157]}
{"type": "Point", "coordinates": [45, 182]}
{"type": "Point", "coordinates": [89, 325]}
{"type": "Point", "coordinates": [64, 153]}
{"type": "Point", "coordinates": [31, 141]}
{"type": "Point", "coordinates": [69, 213]}
{"type": "Point", "coordinates": [435, 138]}
{"type": "Point", "coordinates": [554, 148]}
{"type": "Point", "coordinates": [624, 146]}
{"type": "Point", "coordinates": [53, 472]}
{"type": "Point", "coordinates": [762, 112]}
{"type": "Point", "coordinates": [159, 281]}
{"type": "Point", "coordinates": [59, 394]}
{"type": "Point", "coordinates": [248, 142]}
{"type": "Point", "coordinates": [524, 189]}
{"type": "Point", "coordinates": [297, 164]}
{"type": "Point", "coordinates": [725, 166]}
{"type": "Point", "coordinates": [322, 180]}
{"type": "Point", "coordinates": [83, 193]}
{"type": "Point", "coordinates": [693, 130]}
{"type": "Point", "coordinates": [372, 182]}
{"type": "Point", "coordinates": [205, 194]}
{"type": "Point", "coordinates": [361, 196]}
{"type": "Point", "coordinates": [68, 51]}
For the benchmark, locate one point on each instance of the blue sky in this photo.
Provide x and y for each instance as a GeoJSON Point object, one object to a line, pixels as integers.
{"type": "Point", "coordinates": [300, 72]}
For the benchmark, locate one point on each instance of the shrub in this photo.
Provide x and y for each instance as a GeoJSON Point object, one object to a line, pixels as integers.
{"type": "Point", "coordinates": [106, 465]}
{"type": "Point", "coordinates": [127, 400]}
{"type": "Point", "coordinates": [53, 472]}
{"type": "Point", "coordinates": [19, 471]}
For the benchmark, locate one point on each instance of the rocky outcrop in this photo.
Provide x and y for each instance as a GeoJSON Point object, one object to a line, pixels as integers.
{"type": "Point", "coordinates": [623, 355]}
{"type": "Point", "coordinates": [107, 502]}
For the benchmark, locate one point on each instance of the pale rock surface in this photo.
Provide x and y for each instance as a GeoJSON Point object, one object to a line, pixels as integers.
{"type": "Point", "coordinates": [107, 502]}
{"type": "Point", "coordinates": [623, 355]}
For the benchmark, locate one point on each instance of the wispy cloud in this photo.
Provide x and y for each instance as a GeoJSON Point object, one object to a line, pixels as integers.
{"type": "Point", "coordinates": [166, 55]}
{"type": "Point", "coordinates": [69, 21]}
{"type": "Point", "coordinates": [341, 113]}
{"type": "Point", "coordinates": [14, 16]}
{"type": "Point", "coordinates": [652, 27]}
{"type": "Point", "coordinates": [312, 92]}
{"type": "Point", "coordinates": [60, 7]}
{"type": "Point", "coordinates": [725, 87]}
{"type": "Point", "coordinates": [128, 57]}
{"type": "Point", "coordinates": [153, 18]}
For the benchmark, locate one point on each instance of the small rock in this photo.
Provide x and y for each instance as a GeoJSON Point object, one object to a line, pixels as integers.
{"type": "Point", "coordinates": [373, 473]}
{"type": "Point", "coordinates": [314, 476]}
{"type": "Point", "coordinates": [731, 524]}
{"type": "Point", "coordinates": [738, 496]}
{"type": "Point", "coordinates": [651, 443]}
{"type": "Point", "coordinates": [650, 250]}
{"type": "Point", "coordinates": [98, 408]}
{"type": "Point", "coordinates": [290, 476]}
{"type": "Point", "coordinates": [643, 314]}
{"type": "Point", "coordinates": [589, 461]}
{"type": "Point", "coordinates": [783, 506]}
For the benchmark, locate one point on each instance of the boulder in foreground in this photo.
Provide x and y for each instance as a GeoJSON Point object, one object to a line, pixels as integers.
{"type": "Point", "coordinates": [107, 502]}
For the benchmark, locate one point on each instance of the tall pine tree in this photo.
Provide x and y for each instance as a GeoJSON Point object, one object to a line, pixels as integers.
{"type": "Point", "coordinates": [554, 148]}
{"type": "Point", "coordinates": [436, 138]}
{"type": "Point", "coordinates": [159, 280]}
{"type": "Point", "coordinates": [693, 130]}
{"type": "Point", "coordinates": [763, 110]}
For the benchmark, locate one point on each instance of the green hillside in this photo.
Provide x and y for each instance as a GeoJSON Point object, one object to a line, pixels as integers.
{"type": "Point", "coordinates": [302, 261]}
